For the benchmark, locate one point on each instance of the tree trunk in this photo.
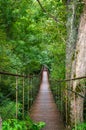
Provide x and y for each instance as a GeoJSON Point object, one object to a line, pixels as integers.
{"type": "Point", "coordinates": [70, 50]}
{"type": "Point", "coordinates": [76, 111]}
{"type": "Point", "coordinates": [71, 32]}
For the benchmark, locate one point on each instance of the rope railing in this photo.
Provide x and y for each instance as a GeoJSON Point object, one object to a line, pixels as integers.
{"type": "Point", "coordinates": [19, 75]}
{"type": "Point", "coordinates": [77, 93]}
{"type": "Point", "coordinates": [64, 92]}
{"type": "Point", "coordinates": [23, 91]}
{"type": "Point", "coordinates": [66, 80]}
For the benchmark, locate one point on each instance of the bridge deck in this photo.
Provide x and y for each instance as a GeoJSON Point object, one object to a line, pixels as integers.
{"type": "Point", "coordinates": [45, 109]}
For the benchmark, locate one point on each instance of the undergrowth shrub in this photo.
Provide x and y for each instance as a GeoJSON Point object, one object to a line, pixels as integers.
{"type": "Point", "coordinates": [27, 124]}
{"type": "Point", "coordinates": [81, 126]}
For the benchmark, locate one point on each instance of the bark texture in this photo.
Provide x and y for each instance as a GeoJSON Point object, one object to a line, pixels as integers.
{"type": "Point", "coordinates": [70, 51]}
{"type": "Point", "coordinates": [71, 31]}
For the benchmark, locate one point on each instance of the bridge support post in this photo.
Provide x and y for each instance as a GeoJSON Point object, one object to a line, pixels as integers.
{"type": "Point", "coordinates": [28, 94]}
{"type": "Point", "coordinates": [16, 97]}
{"type": "Point", "coordinates": [0, 123]}
{"type": "Point", "coordinates": [23, 96]}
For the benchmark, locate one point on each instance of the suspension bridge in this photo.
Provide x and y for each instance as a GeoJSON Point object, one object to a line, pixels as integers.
{"type": "Point", "coordinates": [45, 109]}
{"type": "Point", "coordinates": [44, 102]}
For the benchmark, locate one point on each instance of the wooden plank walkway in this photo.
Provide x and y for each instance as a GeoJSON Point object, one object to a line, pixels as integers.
{"type": "Point", "coordinates": [45, 109]}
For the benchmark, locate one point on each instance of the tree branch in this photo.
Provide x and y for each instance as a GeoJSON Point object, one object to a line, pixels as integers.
{"type": "Point", "coordinates": [41, 6]}
{"type": "Point", "coordinates": [44, 10]}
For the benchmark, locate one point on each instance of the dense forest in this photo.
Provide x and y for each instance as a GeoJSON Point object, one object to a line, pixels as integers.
{"type": "Point", "coordinates": [37, 33]}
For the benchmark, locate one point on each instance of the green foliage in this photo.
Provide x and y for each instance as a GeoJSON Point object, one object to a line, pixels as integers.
{"type": "Point", "coordinates": [8, 109]}
{"type": "Point", "coordinates": [28, 34]}
{"type": "Point", "coordinates": [81, 126]}
{"type": "Point", "coordinates": [28, 124]}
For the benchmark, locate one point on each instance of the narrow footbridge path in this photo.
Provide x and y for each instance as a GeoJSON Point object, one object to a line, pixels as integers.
{"type": "Point", "coordinates": [45, 109]}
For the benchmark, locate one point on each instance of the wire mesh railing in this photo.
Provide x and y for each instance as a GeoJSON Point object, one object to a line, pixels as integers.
{"type": "Point", "coordinates": [17, 94]}
{"type": "Point", "coordinates": [70, 97]}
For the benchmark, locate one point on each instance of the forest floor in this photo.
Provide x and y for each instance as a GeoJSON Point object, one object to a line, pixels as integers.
{"type": "Point", "coordinates": [44, 108]}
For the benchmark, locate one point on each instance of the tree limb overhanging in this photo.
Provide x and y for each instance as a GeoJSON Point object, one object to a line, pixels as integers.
{"type": "Point", "coordinates": [44, 10]}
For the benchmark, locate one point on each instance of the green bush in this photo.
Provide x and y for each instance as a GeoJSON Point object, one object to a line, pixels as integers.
{"type": "Point", "coordinates": [27, 124]}
{"type": "Point", "coordinates": [81, 126]}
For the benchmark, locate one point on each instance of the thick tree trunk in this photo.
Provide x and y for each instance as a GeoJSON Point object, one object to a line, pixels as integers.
{"type": "Point", "coordinates": [76, 111]}
{"type": "Point", "coordinates": [71, 31]}
{"type": "Point", "coordinates": [70, 50]}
